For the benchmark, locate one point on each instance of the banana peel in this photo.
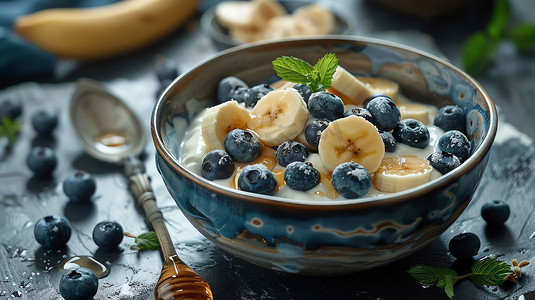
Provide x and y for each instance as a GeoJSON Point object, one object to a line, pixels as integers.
{"type": "Point", "coordinates": [105, 31]}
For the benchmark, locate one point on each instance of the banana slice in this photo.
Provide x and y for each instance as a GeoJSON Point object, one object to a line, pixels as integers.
{"type": "Point", "coordinates": [319, 17]}
{"type": "Point", "coordinates": [279, 116]}
{"type": "Point", "coordinates": [282, 84]}
{"type": "Point", "coordinates": [351, 139]}
{"type": "Point", "coordinates": [220, 120]}
{"type": "Point", "coordinates": [247, 15]}
{"type": "Point", "coordinates": [287, 26]}
{"type": "Point", "coordinates": [400, 173]}
{"type": "Point", "coordinates": [244, 34]}
{"type": "Point", "coordinates": [348, 87]}
{"type": "Point", "coordinates": [381, 86]}
{"type": "Point", "coordinates": [416, 111]}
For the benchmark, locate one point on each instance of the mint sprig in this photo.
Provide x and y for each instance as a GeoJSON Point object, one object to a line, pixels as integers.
{"type": "Point", "coordinates": [488, 271]}
{"type": "Point", "coordinates": [317, 77]}
{"type": "Point", "coordinates": [9, 128]}
{"type": "Point", "coordinates": [480, 47]}
{"type": "Point", "coordinates": [145, 241]}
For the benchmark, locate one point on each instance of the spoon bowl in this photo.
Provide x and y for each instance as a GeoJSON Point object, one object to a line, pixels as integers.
{"type": "Point", "coordinates": [107, 129]}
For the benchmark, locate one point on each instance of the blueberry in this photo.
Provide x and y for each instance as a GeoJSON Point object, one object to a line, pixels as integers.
{"type": "Point", "coordinates": [257, 179]}
{"type": "Point", "coordinates": [45, 121]}
{"type": "Point", "coordinates": [388, 140]}
{"type": "Point", "coordinates": [291, 151]}
{"type": "Point", "coordinates": [351, 180]}
{"type": "Point", "coordinates": [464, 245]}
{"type": "Point", "coordinates": [256, 93]}
{"type": "Point", "coordinates": [304, 90]}
{"type": "Point", "coordinates": [359, 112]}
{"type": "Point", "coordinates": [456, 143]}
{"type": "Point", "coordinates": [301, 176]}
{"type": "Point", "coordinates": [451, 117]}
{"type": "Point", "coordinates": [325, 105]}
{"type": "Point", "coordinates": [228, 86]}
{"type": "Point", "coordinates": [108, 235]}
{"type": "Point", "coordinates": [52, 231]}
{"type": "Point", "coordinates": [42, 161]}
{"type": "Point", "coordinates": [443, 162]}
{"type": "Point", "coordinates": [217, 164]}
{"type": "Point", "coordinates": [78, 284]}
{"type": "Point", "coordinates": [166, 70]}
{"type": "Point", "coordinates": [242, 146]}
{"type": "Point", "coordinates": [495, 212]}
{"type": "Point", "coordinates": [79, 186]}
{"type": "Point", "coordinates": [313, 131]}
{"type": "Point", "coordinates": [385, 113]}
{"type": "Point", "coordinates": [10, 108]}
{"type": "Point", "coordinates": [413, 133]}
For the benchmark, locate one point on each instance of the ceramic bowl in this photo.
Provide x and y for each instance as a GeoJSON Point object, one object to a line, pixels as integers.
{"type": "Point", "coordinates": [328, 237]}
{"type": "Point", "coordinates": [222, 39]}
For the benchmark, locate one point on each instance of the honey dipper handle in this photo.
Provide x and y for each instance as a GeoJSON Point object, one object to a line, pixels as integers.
{"type": "Point", "coordinates": [139, 183]}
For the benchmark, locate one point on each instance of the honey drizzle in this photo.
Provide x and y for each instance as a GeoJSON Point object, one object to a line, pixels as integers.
{"type": "Point", "coordinates": [189, 285]}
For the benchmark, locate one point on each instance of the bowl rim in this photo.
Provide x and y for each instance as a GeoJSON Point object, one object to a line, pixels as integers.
{"type": "Point", "coordinates": [367, 202]}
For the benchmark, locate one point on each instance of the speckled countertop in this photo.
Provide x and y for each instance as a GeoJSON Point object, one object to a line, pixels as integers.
{"type": "Point", "coordinates": [27, 270]}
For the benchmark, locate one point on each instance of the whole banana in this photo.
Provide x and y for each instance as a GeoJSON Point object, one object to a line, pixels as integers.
{"type": "Point", "coordinates": [101, 32]}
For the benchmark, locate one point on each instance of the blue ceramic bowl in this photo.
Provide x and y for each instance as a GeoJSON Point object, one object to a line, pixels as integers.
{"type": "Point", "coordinates": [334, 236]}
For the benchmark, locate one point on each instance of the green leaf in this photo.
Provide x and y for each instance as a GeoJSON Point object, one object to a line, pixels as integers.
{"type": "Point", "coordinates": [292, 69]}
{"type": "Point", "coordinates": [489, 271]}
{"type": "Point", "coordinates": [523, 36]}
{"type": "Point", "coordinates": [9, 128]}
{"type": "Point", "coordinates": [325, 68]}
{"type": "Point", "coordinates": [441, 277]}
{"type": "Point", "coordinates": [478, 51]}
{"type": "Point", "coordinates": [499, 20]}
{"type": "Point", "coordinates": [145, 241]}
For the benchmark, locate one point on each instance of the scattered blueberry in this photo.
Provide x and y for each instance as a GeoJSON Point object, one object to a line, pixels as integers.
{"type": "Point", "coordinates": [228, 86]}
{"type": "Point", "coordinates": [78, 284]}
{"type": "Point", "coordinates": [42, 161]}
{"type": "Point", "coordinates": [52, 231]}
{"type": "Point", "coordinates": [359, 112]}
{"type": "Point", "coordinates": [45, 121]}
{"type": "Point", "coordinates": [256, 93]}
{"type": "Point", "coordinates": [166, 70]}
{"type": "Point", "coordinates": [301, 176]}
{"type": "Point", "coordinates": [217, 164]}
{"type": "Point", "coordinates": [385, 113]}
{"type": "Point", "coordinates": [291, 151]}
{"type": "Point", "coordinates": [443, 162]}
{"type": "Point", "coordinates": [325, 105]}
{"type": "Point", "coordinates": [413, 133]}
{"type": "Point", "coordinates": [79, 186]}
{"type": "Point", "coordinates": [242, 146]}
{"type": "Point", "coordinates": [257, 179]}
{"type": "Point", "coordinates": [495, 212]}
{"type": "Point", "coordinates": [304, 90]}
{"type": "Point", "coordinates": [388, 140]}
{"type": "Point", "coordinates": [10, 108]}
{"type": "Point", "coordinates": [464, 245]}
{"type": "Point", "coordinates": [108, 235]}
{"type": "Point", "coordinates": [451, 117]}
{"type": "Point", "coordinates": [456, 143]}
{"type": "Point", "coordinates": [351, 180]}
{"type": "Point", "coordinates": [313, 131]}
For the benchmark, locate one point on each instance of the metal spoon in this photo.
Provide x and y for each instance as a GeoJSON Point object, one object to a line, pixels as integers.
{"type": "Point", "coordinates": [109, 131]}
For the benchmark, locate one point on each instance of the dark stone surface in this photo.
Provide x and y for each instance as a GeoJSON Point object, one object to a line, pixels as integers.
{"type": "Point", "coordinates": [27, 270]}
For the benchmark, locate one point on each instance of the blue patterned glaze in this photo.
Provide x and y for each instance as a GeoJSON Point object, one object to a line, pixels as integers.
{"type": "Point", "coordinates": [333, 236]}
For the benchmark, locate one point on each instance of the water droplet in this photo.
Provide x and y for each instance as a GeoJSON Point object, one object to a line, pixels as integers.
{"type": "Point", "coordinates": [532, 235]}
{"type": "Point", "coordinates": [16, 294]}
{"type": "Point", "coordinates": [521, 250]}
{"type": "Point", "coordinates": [87, 262]}
{"type": "Point", "coordinates": [494, 289]}
{"type": "Point", "coordinates": [6, 279]}
{"type": "Point", "coordinates": [28, 224]}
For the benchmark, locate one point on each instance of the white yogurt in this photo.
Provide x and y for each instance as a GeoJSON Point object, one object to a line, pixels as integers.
{"type": "Point", "coordinates": [193, 150]}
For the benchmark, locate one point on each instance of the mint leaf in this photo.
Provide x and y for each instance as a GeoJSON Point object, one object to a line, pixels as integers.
{"type": "Point", "coordinates": [9, 128]}
{"type": "Point", "coordinates": [489, 271]}
{"type": "Point", "coordinates": [325, 68]}
{"type": "Point", "coordinates": [429, 276]}
{"type": "Point", "coordinates": [500, 19]}
{"type": "Point", "coordinates": [292, 69]}
{"type": "Point", "coordinates": [523, 36]}
{"type": "Point", "coordinates": [145, 241]}
{"type": "Point", "coordinates": [478, 51]}
{"type": "Point", "coordinates": [318, 77]}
